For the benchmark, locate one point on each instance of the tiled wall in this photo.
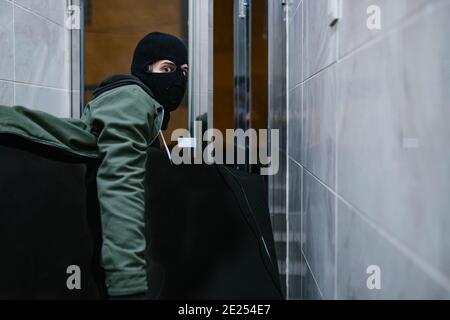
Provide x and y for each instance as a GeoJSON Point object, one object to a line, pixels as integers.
{"type": "Point", "coordinates": [277, 120]}
{"type": "Point", "coordinates": [35, 56]}
{"type": "Point", "coordinates": [201, 59]}
{"type": "Point", "coordinates": [368, 150]}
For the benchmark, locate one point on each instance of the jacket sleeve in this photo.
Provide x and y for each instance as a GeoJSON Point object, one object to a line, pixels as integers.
{"type": "Point", "coordinates": [124, 119]}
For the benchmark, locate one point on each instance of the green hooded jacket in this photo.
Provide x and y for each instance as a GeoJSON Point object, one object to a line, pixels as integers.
{"type": "Point", "coordinates": [116, 127]}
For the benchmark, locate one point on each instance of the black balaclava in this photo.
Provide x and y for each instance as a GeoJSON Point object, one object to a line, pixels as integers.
{"type": "Point", "coordinates": [168, 88]}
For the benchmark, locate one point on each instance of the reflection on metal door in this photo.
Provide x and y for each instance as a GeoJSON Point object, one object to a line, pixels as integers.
{"type": "Point", "coordinates": [242, 70]}
{"type": "Point", "coordinates": [74, 23]}
{"type": "Point", "coordinates": [242, 95]}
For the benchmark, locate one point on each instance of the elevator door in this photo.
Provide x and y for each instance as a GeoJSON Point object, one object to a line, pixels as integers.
{"type": "Point", "coordinates": [241, 70]}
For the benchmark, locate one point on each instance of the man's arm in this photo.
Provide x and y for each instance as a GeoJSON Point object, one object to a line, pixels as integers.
{"type": "Point", "coordinates": [124, 119]}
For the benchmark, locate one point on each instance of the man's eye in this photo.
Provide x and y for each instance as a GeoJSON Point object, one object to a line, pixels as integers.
{"type": "Point", "coordinates": [168, 69]}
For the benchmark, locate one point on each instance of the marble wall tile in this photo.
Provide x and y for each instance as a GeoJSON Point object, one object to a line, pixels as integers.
{"type": "Point", "coordinates": [279, 185]}
{"type": "Point", "coordinates": [394, 155]}
{"type": "Point", "coordinates": [53, 10]}
{"type": "Point", "coordinates": [353, 30]}
{"type": "Point", "coordinates": [319, 126]}
{"type": "Point", "coordinates": [77, 104]}
{"type": "Point", "coordinates": [76, 60]}
{"type": "Point", "coordinates": [309, 288]}
{"type": "Point", "coordinates": [361, 246]}
{"type": "Point", "coordinates": [320, 40]}
{"type": "Point", "coordinates": [6, 40]}
{"type": "Point", "coordinates": [295, 199]}
{"type": "Point", "coordinates": [295, 45]}
{"type": "Point", "coordinates": [295, 123]}
{"type": "Point", "coordinates": [294, 272]}
{"type": "Point", "coordinates": [53, 101]}
{"type": "Point", "coordinates": [294, 229]}
{"type": "Point", "coordinates": [319, 233]}
{"type": "Point", "coordinates": [293, 4]}
{"type": "Point", "coordinates": [280, 230]}
{"type": "Point", "coordinates": [41, 51]}
{"type": "Point", "coordinates": [277, 120]}
{"type": "Point", "coordinates": [375, 130]}
{"type": "Point", "coordinates": [6, 93]}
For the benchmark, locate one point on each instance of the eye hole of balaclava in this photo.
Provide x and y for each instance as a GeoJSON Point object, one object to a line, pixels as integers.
{"type": "Point", "coordinates": [168, 88]}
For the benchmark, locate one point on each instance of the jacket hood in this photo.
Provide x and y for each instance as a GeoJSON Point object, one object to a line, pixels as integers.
{"type": "Point", "coordinates": [119, 80]}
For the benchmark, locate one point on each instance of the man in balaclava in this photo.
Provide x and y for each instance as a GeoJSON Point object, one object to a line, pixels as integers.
{"type": "Point", "coordinates": [137, 114]}
{"type": "Point", "coordinates": [117, 127]}
{"type": "Point", "coordinates": [160, 61]}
